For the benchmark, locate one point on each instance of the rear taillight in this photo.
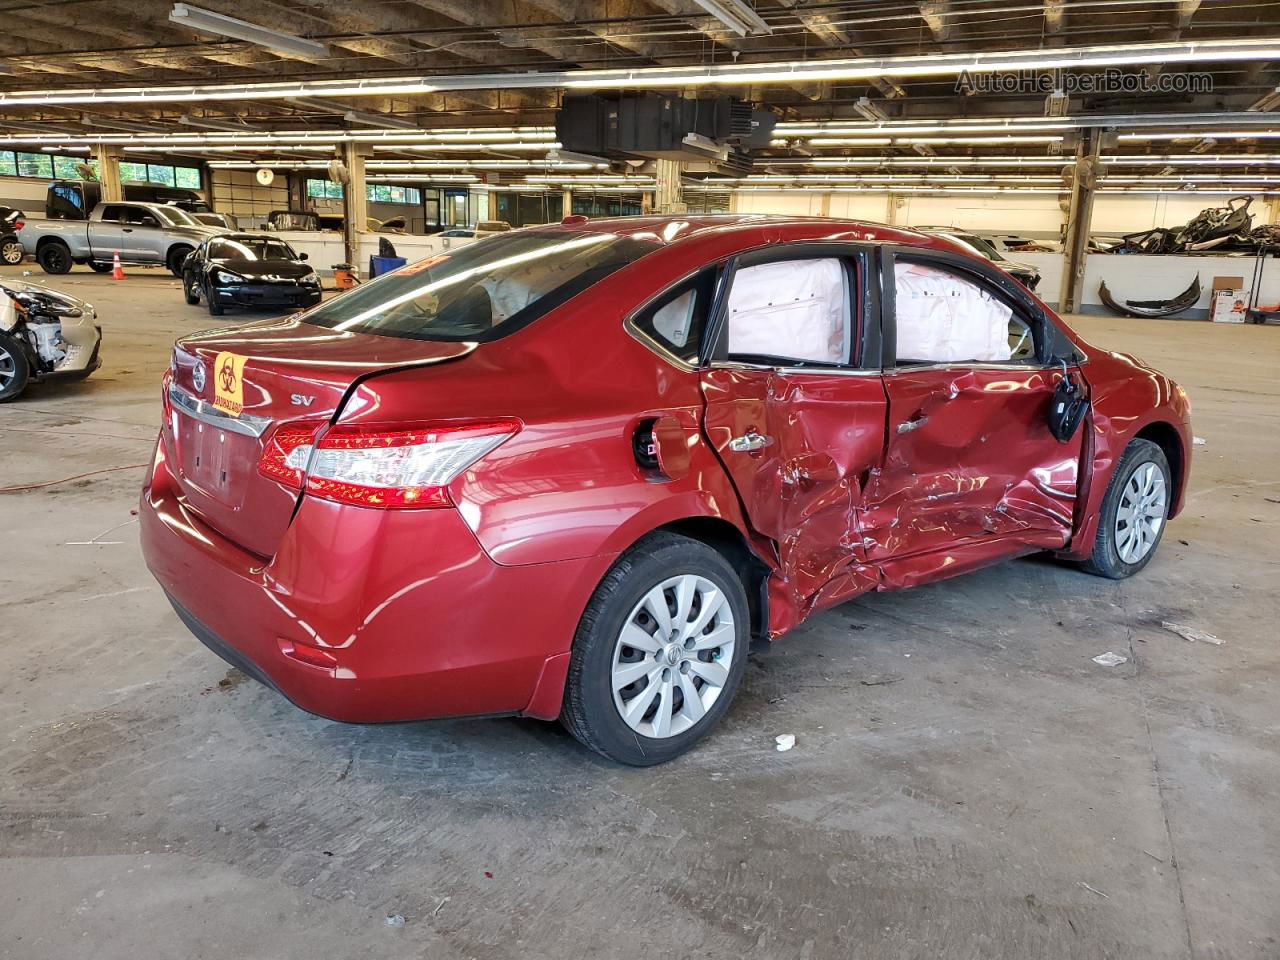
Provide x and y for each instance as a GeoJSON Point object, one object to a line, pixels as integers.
{"type": "Point", "coordinates": [409, 466]}
{"type": "Point", "coordinates": [19, 224]}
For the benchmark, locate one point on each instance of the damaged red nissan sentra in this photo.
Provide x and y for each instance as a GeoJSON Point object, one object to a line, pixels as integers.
{"type": "Point", "coordinates": [573, 471]}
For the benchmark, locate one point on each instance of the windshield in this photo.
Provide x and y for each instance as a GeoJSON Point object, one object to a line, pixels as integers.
{"type": "Point", "coordinates": [177, 217]}
{"type": "Point", "coordinates": [483, 291]}
{"type": "Point", "coordinates": [984, 247]}
{"type": "Point", "coordinates": [250, 248]}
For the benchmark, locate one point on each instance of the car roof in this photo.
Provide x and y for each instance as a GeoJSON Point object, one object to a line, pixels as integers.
{"type": "Point", "coordinates": [751, 228]}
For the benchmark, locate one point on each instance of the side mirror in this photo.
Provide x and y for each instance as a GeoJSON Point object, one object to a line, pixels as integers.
{"type": "Point", "coordinates": [302, 256]}
{"type": "Point", "coordinates": [1067, 406]}
{"type": "Point", "coordinates": [149, 222]}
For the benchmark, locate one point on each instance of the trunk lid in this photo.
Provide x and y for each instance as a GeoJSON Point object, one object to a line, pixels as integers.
{"type": "Point", "coordinates": [233, 387]}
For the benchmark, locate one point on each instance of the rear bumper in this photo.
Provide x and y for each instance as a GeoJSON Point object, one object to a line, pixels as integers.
{"type": "Point", "coordinates": [266, 295]}
{"type": "Point", "coordinates": [413, 617]}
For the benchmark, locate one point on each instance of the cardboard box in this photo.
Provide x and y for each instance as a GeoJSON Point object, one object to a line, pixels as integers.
{"type": "Point", "coordinates": [1225, 283]}
{"type": "Point", "coordinates": [1228, 306]}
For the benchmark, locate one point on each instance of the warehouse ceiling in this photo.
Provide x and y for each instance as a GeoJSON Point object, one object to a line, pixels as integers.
{"type": "Point", "coordinates": [101, 45]}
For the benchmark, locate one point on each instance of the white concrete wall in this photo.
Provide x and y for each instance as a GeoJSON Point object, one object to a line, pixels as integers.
{"type": "Point", "coordinates": [1033, 213]}
{"type": "Point", "coordinates": [324, 248]}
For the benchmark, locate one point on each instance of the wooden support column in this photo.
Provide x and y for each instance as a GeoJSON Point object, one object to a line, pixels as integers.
{"type": "Point", "coordinates": [355, 201]}
{"type": "Point", "coordinates": [1075, 246]}
{"type": "Point", "coordinates": [666, 198]}
{"type": "Point", "coordinates": [109, 172]}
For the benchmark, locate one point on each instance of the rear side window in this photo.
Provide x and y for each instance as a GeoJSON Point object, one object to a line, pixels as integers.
{"type": "Point", "coordinates": [113, 214]}
{"type": "Point", "coordinates": [791, 310]}
{"type": "Point", "coordinates": [482, 291]}
{"type": "Point", "coordinates": [677, 320]}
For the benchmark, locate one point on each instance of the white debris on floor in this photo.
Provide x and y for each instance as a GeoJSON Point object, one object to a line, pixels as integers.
{"type": "Point", "coordinates": [1191, 633]}
{"type": "Point", "coordinates": [785, 741]}
{"type": "Point", "coordinates": [1110, 659]}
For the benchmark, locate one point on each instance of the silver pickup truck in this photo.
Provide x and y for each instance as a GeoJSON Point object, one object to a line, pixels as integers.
{"type": "Point", "coordinates": [152, 233]}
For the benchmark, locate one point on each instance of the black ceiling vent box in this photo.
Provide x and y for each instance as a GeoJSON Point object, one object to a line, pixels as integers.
{"type": "Point", "coordinates": [718, 130]}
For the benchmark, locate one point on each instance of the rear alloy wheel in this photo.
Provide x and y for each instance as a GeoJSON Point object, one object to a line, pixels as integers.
{"type": "Point", "coordinates": [659, 653]}
{"type": "Point", "coordinates": [1134, 512]}
{"type": "Point", "coordinates": [54, 258]}
{"type": "Point", "coordinates": [14, 372]}
{"type": "Point", "coordinates": [176, 256]}
{"type": "Point", "coordinates": [11, 253]}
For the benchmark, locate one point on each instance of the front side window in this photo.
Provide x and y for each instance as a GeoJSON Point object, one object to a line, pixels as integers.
{"type": "Point", "coordinates": [483, 291]}
{"type": "Point", "coordinates": [790, 310]}
{"type": "Point", "coordinates": [943, 316]}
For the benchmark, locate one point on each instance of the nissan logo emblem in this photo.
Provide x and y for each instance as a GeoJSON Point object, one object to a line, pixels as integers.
{"type": "Point", "coordinates": [197, 378]}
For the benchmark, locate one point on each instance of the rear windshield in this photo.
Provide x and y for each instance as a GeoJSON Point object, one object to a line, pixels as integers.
{"type": "Point", "coordinates": [484, 290]}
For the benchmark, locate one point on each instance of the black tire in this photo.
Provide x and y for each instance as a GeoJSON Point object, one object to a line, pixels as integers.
{"type": "Point", "coordinates": [15, 373]}
{"type": "Point", "coordinates": [97, 266]}
{"type": "Point", "coordinates": [588, 711]}
{"type": "Point", "coordinates": [190, 289]}
{"type": "Point", "coordinates": [54, 257]}
{"type": "Point", "coordinates": [174, 261]}
{"type": "Point", "coordinates": [1105, 561]}
{"type": "Point", "coordinates": [215, 309]}
{"type": "Point", "coordinates": [11, 252]}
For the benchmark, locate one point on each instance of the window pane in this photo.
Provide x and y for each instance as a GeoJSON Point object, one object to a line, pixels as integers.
{"type": "Point", "coordinates": [942, 317]}
{"type": "Point", "coordinates": [333, 190]}
{"type": "Point", "coordinates": [160, 173]}
{"type": "Point", "coordinates": [412, 195]}
{"type": "Point", "coordinates": [382, 193]}
{"type": "Point", "coordinates": [481, 291]}
{"type": "Point", "coordinates": [8, 165]}
{"type": "Point", "coordinates": [187, 177]}
{"type": "Point", "coordinates": [397, 194]}
{"type": "Point", "coordinates": [64, 168]}
{"type": "Point", "coordinates": [35, 165]}
{"type": "Point", "coordinates": [791, 310]}
{"type": "Point", "coordinates": [315, 188]}
{"type": "Point", "coordinates": [133, 172]}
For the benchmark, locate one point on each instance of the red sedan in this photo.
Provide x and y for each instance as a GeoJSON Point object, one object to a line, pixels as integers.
{"type": "Point", "coordinates": [573, 471]}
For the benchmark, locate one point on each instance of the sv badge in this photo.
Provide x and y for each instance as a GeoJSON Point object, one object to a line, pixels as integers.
{"type": "Point", "coordinates": [301, 400]}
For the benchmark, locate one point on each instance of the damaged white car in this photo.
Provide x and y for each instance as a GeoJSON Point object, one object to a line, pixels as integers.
{"type": "Point", "coordinates": [44, 335]}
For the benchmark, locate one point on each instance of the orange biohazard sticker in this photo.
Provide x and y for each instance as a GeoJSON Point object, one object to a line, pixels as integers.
{"type": "Point", "coordinates": [228, 383]}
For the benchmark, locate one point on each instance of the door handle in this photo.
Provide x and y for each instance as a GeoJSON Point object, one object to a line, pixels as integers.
{"type": "Point", "coordinates": [910, 425]}
{"type": "Point", "coordinates": [127, 230]}
{"type": "Point", "coordinates": [749, 442]}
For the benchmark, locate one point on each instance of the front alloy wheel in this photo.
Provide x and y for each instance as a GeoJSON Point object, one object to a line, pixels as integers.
{"type": "Point", "coordinates": [659, 652]}
{"type": "Point", "coordinates": [14, 372]}
{"type": "Point", "coordinates": [1140, 513]}
{"type": "Point", "coordinates": [1133, 513]}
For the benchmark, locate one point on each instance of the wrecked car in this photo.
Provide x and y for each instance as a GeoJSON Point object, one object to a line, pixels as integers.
{"type": "Point", "coordinates": [575, 471]}
{"type": "Point", "coordinates": [44, 335]}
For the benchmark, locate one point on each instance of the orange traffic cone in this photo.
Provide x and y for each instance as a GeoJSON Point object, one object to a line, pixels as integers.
{"type": "Point", "coordinates": [117, 271]}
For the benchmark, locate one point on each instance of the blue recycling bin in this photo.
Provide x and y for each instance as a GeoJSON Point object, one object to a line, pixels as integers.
{"type": "Point", "coordinates": [381, 265]}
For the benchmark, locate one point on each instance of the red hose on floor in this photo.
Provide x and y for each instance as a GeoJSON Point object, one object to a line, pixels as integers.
{"type": "Point", "coordinates": [78, 476]}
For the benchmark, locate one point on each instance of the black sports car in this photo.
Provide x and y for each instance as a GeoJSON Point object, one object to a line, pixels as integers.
{"type": "Point", "coordinates": [248, 270]}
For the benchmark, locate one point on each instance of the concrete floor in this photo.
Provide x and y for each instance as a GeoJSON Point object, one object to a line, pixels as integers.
{"type": "Point", "coordinates": [1002, 797]}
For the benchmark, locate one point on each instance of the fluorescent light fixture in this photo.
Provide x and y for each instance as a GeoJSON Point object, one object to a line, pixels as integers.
{"type": "Point", "coordinates": [210, 123]}
{"type": "Point", "coordinates": [786, 71]}
{"type": "Point", "coordinates": [1194, 134]}
{"type": "Point", "coordinates": [929, 141]}
{"type": "Point", "coordinates": [863, 107]}
{"type": "Point", "coordinates": [206, 21]}
{"type": "Point", "coordinates": [378, 120]}
{"type": "Point", "coordinates": [736, 15]}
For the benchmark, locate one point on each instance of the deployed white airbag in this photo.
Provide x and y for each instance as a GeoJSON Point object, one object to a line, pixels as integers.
{"type": "Point", "coordinates": [796, 309]}
{"type": "Point", "coordinates": [944, 318]}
